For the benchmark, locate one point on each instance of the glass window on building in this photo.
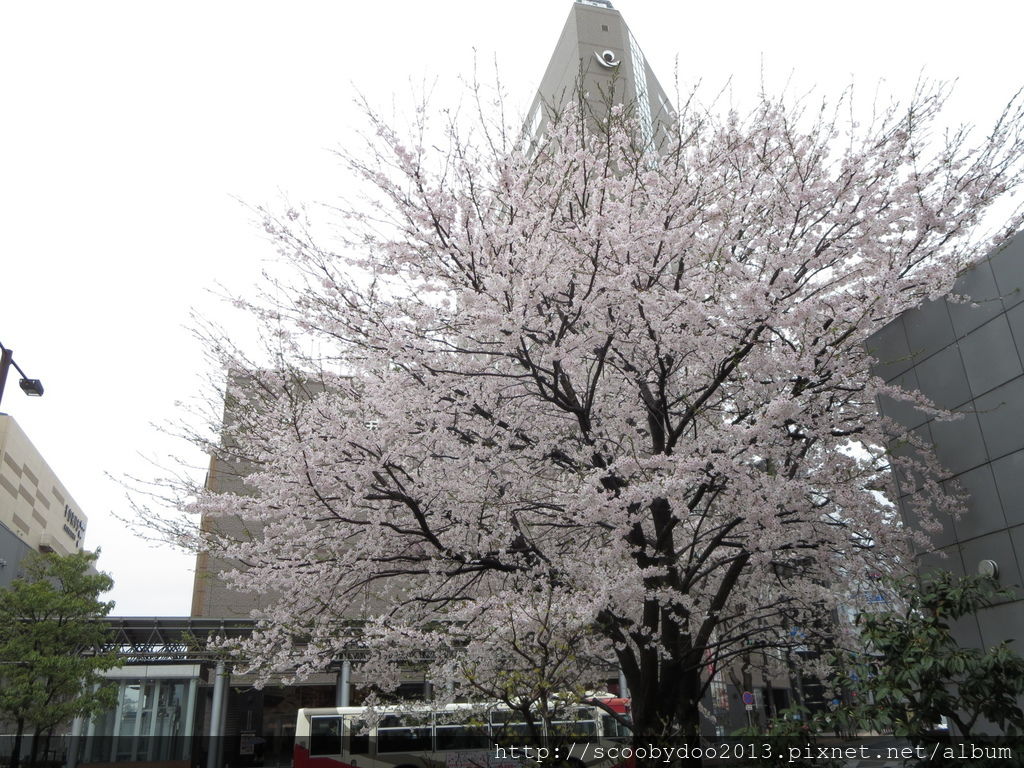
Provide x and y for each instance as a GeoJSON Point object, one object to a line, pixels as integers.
{"type": "Point", "coordinates": [151, 722]}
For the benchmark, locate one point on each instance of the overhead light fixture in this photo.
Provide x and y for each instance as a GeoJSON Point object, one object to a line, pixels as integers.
{"type": "Point", "coordinates": [32, 387]}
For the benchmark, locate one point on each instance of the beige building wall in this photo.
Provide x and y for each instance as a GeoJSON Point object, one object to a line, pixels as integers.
{"type": "Point", "coordinates": [34, 505]}
{"type": "Point", "coordinates": [211, 596]}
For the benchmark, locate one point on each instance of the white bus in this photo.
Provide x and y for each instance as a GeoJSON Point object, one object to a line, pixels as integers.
{"type": "Point", "coordinates": [456, 736]}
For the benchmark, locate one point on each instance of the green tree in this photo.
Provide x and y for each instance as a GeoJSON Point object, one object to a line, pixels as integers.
{"type": "Point", "coordinates": [918, 672]}
{"type": "Point", "coordinates": [50, 636]}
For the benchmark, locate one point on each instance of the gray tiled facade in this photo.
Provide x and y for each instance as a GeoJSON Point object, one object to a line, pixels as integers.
{"type": "Point", "coordinates": [968, 356]}
{"type": "Point", "coordinates": [12, 551]}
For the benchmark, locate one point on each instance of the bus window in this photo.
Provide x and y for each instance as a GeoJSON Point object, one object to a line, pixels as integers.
{"type": "Point", "coordinates": [613, 729]}
{"type": "Point", "coordinates": [574, 724]}
{"type": "Point", "coordinates": [515, 734]}
{"type": "Point", "coordinates": [461, 737]}
{"type": "Point", "coordinates": [581, 731]}
{"type": "Point", "coordinates": [404, 733]}
{"type": "Point", "coordinates": [358, 736]}
{"type": "Point", "coordinates": [325, 735]}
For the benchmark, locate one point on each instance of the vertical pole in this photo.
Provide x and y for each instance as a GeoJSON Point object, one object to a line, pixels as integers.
{"type": "Point", "coordinates": [76, 735]}
{"type": "Point", "coordinates": [342, 692]}
{"type": "Point", "coordinates": [151, 748]}
{"type": "Point", "coordinates": [623, 688]}
{"type": "Point", "coordinates": [6, 356]}
{"type": "Point", "coordinates": [224, 721]}
{"type": "Point", "coordinates": [140, 709]}
{"type": "Point", "coordinates": [116, 733]}
{"type": "Point", "coordinates": [190, 715]}
{"type": "Point", "coordinates": [215, 715]}
{"type": "Point", "coordinates": [90, 735]}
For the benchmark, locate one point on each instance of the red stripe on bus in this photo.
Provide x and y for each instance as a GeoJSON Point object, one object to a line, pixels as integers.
{"type": "Point", "coordinates": [302, 759]}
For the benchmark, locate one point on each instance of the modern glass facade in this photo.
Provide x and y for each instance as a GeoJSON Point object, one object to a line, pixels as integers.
{"type": "Point", "coordinates": [153, 719]}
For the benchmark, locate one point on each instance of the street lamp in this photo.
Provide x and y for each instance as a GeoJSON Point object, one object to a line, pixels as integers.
{"type": "Point", "coordinates": [31, 387]}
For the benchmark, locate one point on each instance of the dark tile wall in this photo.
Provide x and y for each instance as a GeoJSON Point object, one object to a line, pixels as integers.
{"type": "Point", "coordinates": [969, 357]}
{"type": "Point", "coordinates": [12, 551]}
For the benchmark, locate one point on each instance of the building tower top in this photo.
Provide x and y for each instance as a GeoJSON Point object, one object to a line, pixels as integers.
{"type": "Point", "coordinates": [597, 63]}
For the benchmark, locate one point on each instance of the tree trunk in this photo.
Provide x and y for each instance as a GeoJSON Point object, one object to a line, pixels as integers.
{"type": "Point", "coordinates": [687, 717]}
{"type": "Point", "coordinates": [666, 715]}
{"type": "Point", "coordinates": [34, 752]}
{"type": "Point", "coordinates": [16, 749]}
{"type": "Point", "coordinates": [46, 742]}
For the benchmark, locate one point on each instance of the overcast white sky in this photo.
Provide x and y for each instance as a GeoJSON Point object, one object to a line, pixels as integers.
{"type": "Point", "coordinates": [128, 132]}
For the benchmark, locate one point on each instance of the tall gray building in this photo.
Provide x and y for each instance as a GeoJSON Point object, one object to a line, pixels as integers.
{"type": "Point", "coordinates": [598, 63]}
{"type": "Point", "coordinates": [969, 358]}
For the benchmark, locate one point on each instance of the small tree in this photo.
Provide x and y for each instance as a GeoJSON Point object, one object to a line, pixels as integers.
{"type": "Point", "coordinates": [49, 639]}
{"type": "Point", "coordinates": [919, 673]}
{"type": "Point", "coordinates": [538, 660]}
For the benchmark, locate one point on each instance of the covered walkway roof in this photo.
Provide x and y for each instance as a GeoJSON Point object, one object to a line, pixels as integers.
{"type": "Point", "coordinates": [171, 639]}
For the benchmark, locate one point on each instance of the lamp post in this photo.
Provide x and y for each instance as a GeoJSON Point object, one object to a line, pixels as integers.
{"type": "Point", "coordinates": [32, 387]}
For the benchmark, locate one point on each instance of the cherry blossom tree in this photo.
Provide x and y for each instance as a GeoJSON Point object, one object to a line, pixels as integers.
{"type": "Point", "coordinates": [632, 381]}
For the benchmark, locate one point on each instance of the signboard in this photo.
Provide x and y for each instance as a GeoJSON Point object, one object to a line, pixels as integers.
{"type": "Point", "coordinates": [73, 526]}
{"type": "Point", "coordinates": [247, 743]}
{"type": "Point", "coordinates": [748, 699]}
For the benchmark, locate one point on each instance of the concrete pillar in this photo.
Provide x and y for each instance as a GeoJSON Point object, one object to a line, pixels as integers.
{"type": "Point", "coordinates": [216, 716]}
{"type": "Point", "coordinates": [76, 735]}
{"type": "Point", "coordinates": [137, 730]}
{"type": "Point", "coordinates": [153, 750]}
{"type": "Point", "coordinates": [224, 721]}
{"type": "Point", "coordinates": [115, 741]}
{"type": "Point", "coordinates": [190, 714]}
{"type": "Point", "coordinates": [90, 732]}
{"type": "Point", "coordinates": [343, 689]}
{"type": "Point", "coordinates": [623, 688]}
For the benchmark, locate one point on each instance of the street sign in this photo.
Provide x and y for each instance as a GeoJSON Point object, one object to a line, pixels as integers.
{"type": "Point", "coordinates": [748, 698]}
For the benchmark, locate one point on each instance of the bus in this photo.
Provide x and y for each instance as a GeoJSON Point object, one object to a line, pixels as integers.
{"type": "Point", "coordinates": [455, 736]}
